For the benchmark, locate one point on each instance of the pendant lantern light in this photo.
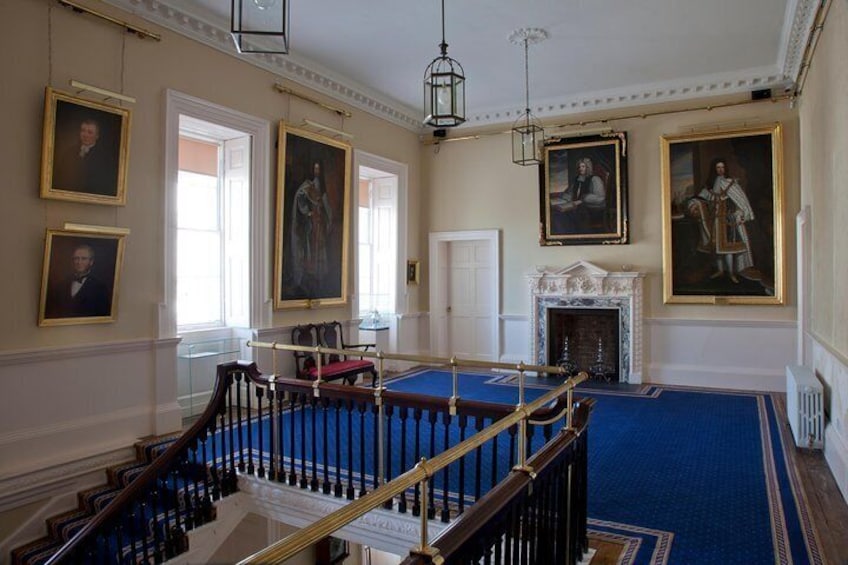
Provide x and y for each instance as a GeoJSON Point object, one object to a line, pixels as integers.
{"type": "Point", "coordinates": [527, 133]}
{"type": "Point", "coordinates": [260, 26]}
{"type": "Point", "coordinates": [444, 88]}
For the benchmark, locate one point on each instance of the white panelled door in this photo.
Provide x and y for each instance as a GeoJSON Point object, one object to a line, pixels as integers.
{"type": "Point", "coordinates": [470, 305]}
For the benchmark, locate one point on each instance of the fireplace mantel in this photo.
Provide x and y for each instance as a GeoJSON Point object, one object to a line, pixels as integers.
{"type": "Point", "coordinates": [585, 285]}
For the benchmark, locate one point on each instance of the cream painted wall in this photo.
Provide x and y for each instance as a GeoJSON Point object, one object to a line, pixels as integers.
{"type": "Point", "coordinates": [824, 137]}
{"type": "Point", "coordinates": [474, 185]}
{"type": "Point", "coordinates": [49, 45]}
{"type": "Point", "coordinates": [824, 113]}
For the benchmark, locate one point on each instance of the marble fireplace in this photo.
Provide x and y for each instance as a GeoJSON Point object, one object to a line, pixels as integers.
{"type": "Point", "coordinates": [607, 305]}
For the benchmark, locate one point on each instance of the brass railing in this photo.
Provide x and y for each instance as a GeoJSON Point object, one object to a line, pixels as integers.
{"type": "Point", "coordinates": [424, 470]}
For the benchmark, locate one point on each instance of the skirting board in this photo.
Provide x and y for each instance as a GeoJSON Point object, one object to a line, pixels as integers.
{"type": "Point", "coordinates": [725, 377]}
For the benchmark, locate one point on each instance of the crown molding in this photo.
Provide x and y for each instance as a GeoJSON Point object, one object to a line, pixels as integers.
{"type": "Point", "coordinates": [800, 15]}
{"type": "Point", "coordinates": [212, 31]}
{"type": "Point", "coordinates": [205, 29]}
{"type": "Point", "coordinates": [704, 86]}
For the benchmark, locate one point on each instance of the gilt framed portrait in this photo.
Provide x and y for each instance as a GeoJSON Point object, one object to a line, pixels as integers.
{"type": "Point", "coordinates": [313, 192]}
{"type": "Point", "coordinates": [583, 191]}
{"type": "Point", "coordinates": [85, 150]}
{"type": "Point", "coordinates": [723, 217]}
{"type": "Point", "coordinates": [80, 275]}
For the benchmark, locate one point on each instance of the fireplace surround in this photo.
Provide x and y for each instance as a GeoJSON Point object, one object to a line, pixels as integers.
{"type": "Point", "coordinates": [583, 285]}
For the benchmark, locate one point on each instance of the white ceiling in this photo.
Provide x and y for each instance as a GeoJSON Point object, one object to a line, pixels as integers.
{"type": "Point", "coordinates": [599, 53]}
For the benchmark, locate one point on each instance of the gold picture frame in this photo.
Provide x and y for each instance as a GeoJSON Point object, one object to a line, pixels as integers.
{"type": "Point", "coordinates": [81, 275]}
{"type": "Point", "coordinates": [413, 271]}
{"type": "Point", "coordinates": [583, 191]}
{"type": "Point", "coordinates": [723, 239]}
{"type": "Point", "coordinates": [84, 150]}
{"type": "Point", "coordinates": [312, 219]}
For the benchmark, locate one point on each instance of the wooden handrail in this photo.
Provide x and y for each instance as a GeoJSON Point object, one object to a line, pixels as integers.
{"type": "Point", "coordinates": [137, 486]}
{"type": "Point", "coordinates": [464, 528]}
{"type": "Point", "coordinates": [229, 373]}
{"type": "Point", "coordinates": [295, 543]}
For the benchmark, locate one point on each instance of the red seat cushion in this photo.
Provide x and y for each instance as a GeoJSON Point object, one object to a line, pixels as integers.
{"type": "Point", "coordinates": [341, 368]}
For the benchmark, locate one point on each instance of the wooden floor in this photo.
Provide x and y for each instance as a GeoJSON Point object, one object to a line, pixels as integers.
{"type": "Point", "coordinates": [828, 508]}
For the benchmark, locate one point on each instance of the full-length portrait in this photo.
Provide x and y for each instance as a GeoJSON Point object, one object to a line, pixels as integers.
{"type": "Point", "coordinates": [80, 276]}
{"type": "Point", "coordinates": [722, 217]}
{"type": "Point", "coordinates": [312, 220]}
{"type": "Point", "coordinates": [583, 190]}
{"type": "Point", "coordinates": [84, 150]}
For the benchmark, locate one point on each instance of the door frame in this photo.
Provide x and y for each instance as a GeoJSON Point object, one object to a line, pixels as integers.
{"type": "Point", "coordinates": [439, 284]}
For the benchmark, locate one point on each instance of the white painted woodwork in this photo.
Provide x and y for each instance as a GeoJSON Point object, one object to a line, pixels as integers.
{"type": "Point", "coordinates": [472, 289]}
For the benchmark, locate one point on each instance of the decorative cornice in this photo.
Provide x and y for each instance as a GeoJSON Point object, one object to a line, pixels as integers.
{"type": "Point", "coordinates": [173, 16]}
{"type": "Point", "coordinates": [637, 95]}
{"type": "Point", "coordinates": [792, 53]}
{"type": "Point", "coordinates": [213, 31]}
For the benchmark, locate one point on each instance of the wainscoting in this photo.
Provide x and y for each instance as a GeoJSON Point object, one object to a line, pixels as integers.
{"type": "Point", "coordinates": [832, 369]}
{"type": "Point", "coordinates": [67, 410]}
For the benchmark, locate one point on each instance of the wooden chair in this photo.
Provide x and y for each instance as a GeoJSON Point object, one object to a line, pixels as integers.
{"type": "Point", "coordinates": [333, 367]}
{"type": "Point", "coordinates": [331, 335]}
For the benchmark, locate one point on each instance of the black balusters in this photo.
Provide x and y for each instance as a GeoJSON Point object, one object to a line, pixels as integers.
{"type": "Point", "coordinates": [478, 459]}
{"type": "Point", "coordinates": [403, 415]}
{"type": "Point", "coordinates": [362, 407]}
{"type": "Point", "coordinates": [417, 414]}
{"type": "Point", "coordinates": [337, 487]}
{"type": "Point", "coordinates": [463, 425]}
{"type": "Point", "coordinates": [292, 467]}
{"type": "Point", "coordinates": [260, 394]}
{"type": "Point", "coordinates": [239, 426]}
{"type": "Point", "coordinates": [304, 481]}
{"type": "Point", "coordinates": [313, 483]}
{"type": "Point", "coordinates": [248, 427]}
{"type": "Point", "coordinates": [350, 490]}
{"type": "Point", "coordinates": [326, 487]}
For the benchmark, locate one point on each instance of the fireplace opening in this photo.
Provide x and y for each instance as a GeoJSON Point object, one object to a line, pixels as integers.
{"type": "Point", "coordinates": [585, 339]}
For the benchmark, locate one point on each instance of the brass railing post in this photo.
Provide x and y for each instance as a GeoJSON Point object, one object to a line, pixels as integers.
{"type": "Point", "coordinates": [425, 548]}
{"type": "Point", "coordinates": [455, 395]}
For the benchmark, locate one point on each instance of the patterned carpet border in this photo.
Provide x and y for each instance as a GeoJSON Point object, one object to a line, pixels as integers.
{"type": "Point", "coordinates": [635, 539]}
{"type": "Point", "coordinates": [774, 435]}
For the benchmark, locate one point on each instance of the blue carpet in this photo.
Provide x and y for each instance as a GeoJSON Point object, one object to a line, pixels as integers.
{"type": "Point", "coordinates": [697, 476]}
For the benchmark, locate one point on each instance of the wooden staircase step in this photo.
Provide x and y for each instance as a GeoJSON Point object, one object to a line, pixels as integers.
{"type": "Point", "coordinates": [62, 527]}
{"type": "Point", "coordinates": [35, 552]}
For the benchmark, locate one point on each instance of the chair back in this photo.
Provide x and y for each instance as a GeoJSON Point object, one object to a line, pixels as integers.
{"type": "Point", "coordinates": [330, 334]}
{"type": "Point", "coordinates": [305, 335]}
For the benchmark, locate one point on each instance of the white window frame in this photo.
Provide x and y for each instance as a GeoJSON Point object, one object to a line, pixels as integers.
{"type": "Point", "coordinates": [177, 104]}
{"type": "Point", "coordinates": [401, 171]}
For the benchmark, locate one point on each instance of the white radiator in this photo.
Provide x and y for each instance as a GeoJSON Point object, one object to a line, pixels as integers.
{"type": "Point", "coordinates": [804, 406]}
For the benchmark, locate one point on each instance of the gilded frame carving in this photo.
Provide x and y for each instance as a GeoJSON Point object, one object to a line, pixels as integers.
{"type": "Point", "coordinates": [81, 275]}
{"type": "Point", "coordinates": [723, 240]}
{"type": "Point", "coordinates": [84, 150]}
{"type": "Point", "coordinates": [583, 191]}
{"type": "Point", "coordinates": [312, 220]}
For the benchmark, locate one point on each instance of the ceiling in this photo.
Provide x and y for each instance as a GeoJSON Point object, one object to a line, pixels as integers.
{"type": "Point", "coordinates": [599, 53]}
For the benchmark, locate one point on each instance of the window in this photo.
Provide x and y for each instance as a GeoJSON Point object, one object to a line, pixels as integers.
{"type": "Point", "coordinates": [377, 241]}
{"type": "Point", "coordinates": [213, 226]}
{"type": "Point", "coordinates": [241, 146]}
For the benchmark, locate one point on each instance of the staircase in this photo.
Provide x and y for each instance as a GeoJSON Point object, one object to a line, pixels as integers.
{"type": "Point", "coordinates": [62, 527]}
